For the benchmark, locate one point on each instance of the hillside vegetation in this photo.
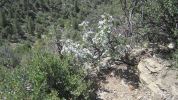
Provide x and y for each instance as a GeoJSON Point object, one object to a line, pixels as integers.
{"type": "Point", "coordinates": [49, 49]}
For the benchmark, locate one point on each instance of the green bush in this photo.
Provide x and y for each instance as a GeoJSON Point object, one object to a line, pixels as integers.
{"type": "Point", "coordinates": [162, 15]}
{"type": "Point", "coordinates": [44, 76]}
{"type": "Point", "coordinates": [8, 57]}
{"type": "Point", "coordinates": [11, 54]}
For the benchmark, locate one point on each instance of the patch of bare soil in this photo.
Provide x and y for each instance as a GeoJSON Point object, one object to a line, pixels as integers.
{"type": "Point", "coordinates": [114, 88]}
{"type": "Point", "coordinates": [122, 83]}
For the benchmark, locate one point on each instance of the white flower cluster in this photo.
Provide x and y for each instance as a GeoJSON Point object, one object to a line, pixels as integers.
{"type": "Point", "coordinates": [84, 24]}
{"type": "Point", "coordinates": [71, 47]}
{"type": "Point", "coordinates": [87, 35]}
{"type": "Point", "coordinates": [99, 38]}
{"type": "Point", "coordinates": [104, 26]}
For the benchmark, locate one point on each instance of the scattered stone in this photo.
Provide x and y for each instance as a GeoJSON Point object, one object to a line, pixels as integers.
{"type": "Point", "coordinates": [156, 74]}
{"type": "Point", "coordinates": [152, 79]}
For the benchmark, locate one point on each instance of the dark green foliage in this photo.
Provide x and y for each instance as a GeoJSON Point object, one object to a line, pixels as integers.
{"type": "Point", "coordinates": [27, 73]}
{"type": "Point", "coordinates": [21, 18]}
{"type": "Point", "coordinates": [11, 54]}
{"type": "Point", "coordinates": [8, 57]}
{"type": "Point", "coordinates": [153, 20]}
{"type": "Point", "coordinates": [67, 79]}
{"type": "Point", "coordinates": [162, 14]}
{"type": "Point", "coordinates": [44, 76]}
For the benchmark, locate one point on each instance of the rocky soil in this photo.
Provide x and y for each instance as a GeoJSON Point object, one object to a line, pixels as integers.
{"type": "Point", "coordinates": [152, 78]}
{"type": "Point", "coordinates": [158, 75]}
{"type": "Point", "coordinates": [117, 89]}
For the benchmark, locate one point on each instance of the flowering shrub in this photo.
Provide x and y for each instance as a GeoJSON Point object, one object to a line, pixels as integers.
{"type": "Point", "coordinates": [105, 26]}
{"type": "Point", "coordinates": [92, 40]}
{"type": "Point", "coordinates": [70, 47]}
{"type": "Point", "coordinates": [96, 43]}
